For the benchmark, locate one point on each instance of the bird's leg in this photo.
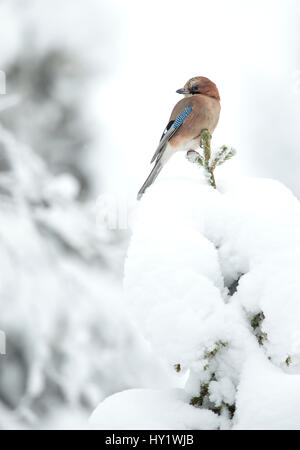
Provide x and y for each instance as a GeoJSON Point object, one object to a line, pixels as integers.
{"type": "Point", "coordinates": [205, 143]}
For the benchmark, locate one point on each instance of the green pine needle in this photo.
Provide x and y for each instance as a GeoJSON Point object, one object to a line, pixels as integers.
{"type": "Point", "coordinates": [224, 154]}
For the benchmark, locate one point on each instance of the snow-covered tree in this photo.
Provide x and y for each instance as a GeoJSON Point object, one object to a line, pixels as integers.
{"type": "Point", "coordinates": [212, 279]}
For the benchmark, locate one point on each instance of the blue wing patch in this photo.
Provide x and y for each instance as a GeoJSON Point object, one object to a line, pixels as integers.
{"type": "Point", "coordinates": [182, 116]}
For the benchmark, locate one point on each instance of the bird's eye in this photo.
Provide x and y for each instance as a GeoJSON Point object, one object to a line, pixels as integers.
{"type": "Point", "coordinates": [196, 87]}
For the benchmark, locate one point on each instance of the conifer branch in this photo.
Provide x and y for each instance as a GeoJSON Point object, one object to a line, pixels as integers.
{"type": "Point", "coordinates": [208, 160]}
{"type": "Point", "coordinates": [206, 145]}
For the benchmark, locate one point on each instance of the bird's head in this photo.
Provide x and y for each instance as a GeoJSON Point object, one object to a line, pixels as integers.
{"type": "Point", "coordinates": [200, 85]}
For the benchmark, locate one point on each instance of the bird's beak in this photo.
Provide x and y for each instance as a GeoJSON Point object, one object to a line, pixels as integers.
{"type": "Point", "coordinates": [183, 91]}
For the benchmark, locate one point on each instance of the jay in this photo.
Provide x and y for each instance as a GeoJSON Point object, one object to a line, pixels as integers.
{"type": "Point", "coordinates": [199, 110]}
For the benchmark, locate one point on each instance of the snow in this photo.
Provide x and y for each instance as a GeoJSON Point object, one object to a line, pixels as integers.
{"type": "Point", "coordinates": [141, 409]}
{"type": "Point", "coordinates": [267, 398]}
{"type": "Point", "coordinates": [212, 281]}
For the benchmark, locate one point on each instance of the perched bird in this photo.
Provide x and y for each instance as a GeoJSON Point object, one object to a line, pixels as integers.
{"type": "Point", "coordinates": [197, 111]}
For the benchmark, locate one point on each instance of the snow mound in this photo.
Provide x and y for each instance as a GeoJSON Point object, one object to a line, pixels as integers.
{"type": "Point", "coordinates": [141, 409]}
{"type": "Point", "coordinates": [267, 398]}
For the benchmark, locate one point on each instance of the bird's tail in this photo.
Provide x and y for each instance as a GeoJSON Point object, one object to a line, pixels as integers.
{"type": "Point", "coordinates": [151, 178]}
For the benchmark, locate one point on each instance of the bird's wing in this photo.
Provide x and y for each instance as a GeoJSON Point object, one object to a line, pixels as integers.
{"type": "Point", "coordinates": [166, 129]}
{"type": "Point", "coordinates": [166, 136]}
{"type": "Point", "coordinates": [169, 131]}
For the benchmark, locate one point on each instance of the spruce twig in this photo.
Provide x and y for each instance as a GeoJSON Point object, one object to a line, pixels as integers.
{"type": "Point", "coordinates": [206, 145]}
{"type": "Point", "coordinates": [223, 155]}
{"type": "Point", "coordinates": [208, 161]}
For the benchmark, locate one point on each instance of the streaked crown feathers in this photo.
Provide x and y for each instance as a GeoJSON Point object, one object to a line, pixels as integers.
{"type": "Point", "coordinates": [202, 85]}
